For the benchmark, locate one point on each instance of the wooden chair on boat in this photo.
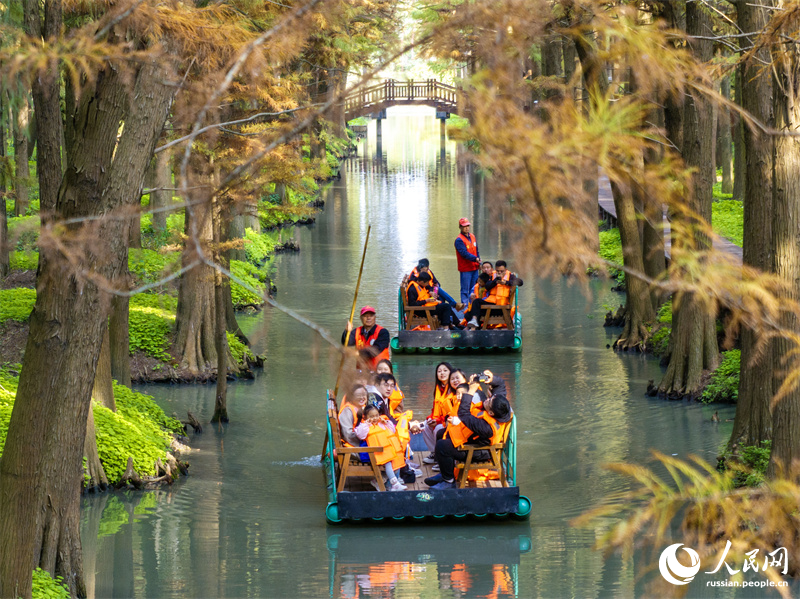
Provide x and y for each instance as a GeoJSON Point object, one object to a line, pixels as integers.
{"type": "Point", "coordinates": [418, 315]}
{"type": "Point", "coordinates": [493, 464]}
{"type": "Point", "coordinates": [494, 315]}
{"type": "Point", "coordinates": [347, 458]}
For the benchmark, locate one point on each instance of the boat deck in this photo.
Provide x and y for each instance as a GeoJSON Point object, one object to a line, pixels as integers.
{"type": "Point", "coordinates": [363, 484]}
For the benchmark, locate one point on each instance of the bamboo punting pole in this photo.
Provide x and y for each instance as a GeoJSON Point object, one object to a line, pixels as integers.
{"type": "Point", "coordinates": [352, 312]}
{"type": "Point", "coordinates": [350, 322]}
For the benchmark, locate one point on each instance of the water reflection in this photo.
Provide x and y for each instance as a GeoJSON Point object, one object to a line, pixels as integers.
{"type": "Point", "coordinates": [414, 562]}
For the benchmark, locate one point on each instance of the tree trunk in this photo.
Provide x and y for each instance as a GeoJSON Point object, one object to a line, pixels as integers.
{"type": "Point", "coordinates": [194, 321]}
{"type": "Point", "coordinates": [161, 196]}
{"type": "Point", "coordinates": [236, 231]}
{"type": "Point", "coordinates": [693, 342]}
{"type": "Point", "coordinates": [653, 251]}
{"type": "Point", "coordinates": [94, 473]}
{"type": "Point", "coordinates": [221, 401]}
{"type": "Point", "coordinates": [786, 256]}
{"type": "Point", "coordinates": [753, 422]}
{"type": "Point", "coordinates": [47, 107]}
{"type": "Point", "coordinates": [5, 265]}
{"type": "Point", "coordinates": [22, 172]}
{"type": "Point", "coordinates": [724, 141]}
{"type": "Point", "coordinates": [119, 334]}
{"type": "Point", "coordinates": [41, 470]}
{"type": "Point", "coordinates": [739, 151]}
{"type": "Point", "coordinates": [103, 389]}
{"type": "Point", "coordinates": [639, 312]}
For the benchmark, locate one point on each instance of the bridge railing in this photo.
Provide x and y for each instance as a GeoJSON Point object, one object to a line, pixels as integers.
{"type": "Point", "coordinates": [401, 92]}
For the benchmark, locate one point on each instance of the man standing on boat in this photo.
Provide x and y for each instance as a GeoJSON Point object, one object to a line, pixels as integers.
{"type": "Point", "coordinates": [370, 339]}
{"type": "Point", "coordinates": [469, 259]}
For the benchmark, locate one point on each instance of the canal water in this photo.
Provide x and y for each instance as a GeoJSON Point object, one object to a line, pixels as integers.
{"type": "Point", "coordinates": [249, 520]}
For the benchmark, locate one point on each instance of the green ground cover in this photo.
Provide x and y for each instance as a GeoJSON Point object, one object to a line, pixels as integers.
{"type": "Point", "coordinates": [727, 220]}
{"type": "Point", "coordinates": [724, 384]}
{"type": "Point", "coordinates": [139, 428]}
{"type": "Point", "coordinates": [16, 304]}
{"type": "Point", "coordinates": [611, 250]}
{"type": "Point", "coordinates": [45, 587]}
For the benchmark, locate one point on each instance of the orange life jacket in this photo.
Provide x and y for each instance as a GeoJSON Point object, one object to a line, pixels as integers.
{"type": "Point", "coordinates": [362, 342]}
{"type": "Point", "coordinates": [415, 273]}
{"type": "Point", "coordinates": [395, 399]}
{"type": "Point", "coordinates": [465, 265]}
{"type": "Point", "coordinates": [403, 418]}
{"type": "Point", "coordinates": [460, 434]}
{"type": "Point", "coordinates": [444, 404]}
{"type": "Point", "coordinates": [500, 294]}
{"type": "Point", "coordinates": [345, 406]}
{"type": "Point", "coordinates": [423, 294]}
{"type": "Point", "coordinates": [380, 436]}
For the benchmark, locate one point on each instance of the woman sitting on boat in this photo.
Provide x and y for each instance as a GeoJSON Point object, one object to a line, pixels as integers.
{"type": "Point", "coordinates": [381, 433]}
{"type": "Point", "coordinates": [448, 408]}
{"type": "Point", "coordinates": [443, 397]}
{"type": "Point", "coordinates": [350, 414]}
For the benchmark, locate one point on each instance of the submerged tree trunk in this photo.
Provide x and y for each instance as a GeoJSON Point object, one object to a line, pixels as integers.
{"type": "Point", "coordinates": [221, 398]}
{"type": "Point", "coordinates": [41, 469]}
{"type": "Point", "coordinates": [786, 257]}
{"type": "Point", "coordinates": [693, 342]}
{"type": "Point", "coordinates": [753, 422]}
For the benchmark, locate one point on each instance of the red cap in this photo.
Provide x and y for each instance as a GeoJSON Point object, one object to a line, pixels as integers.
{"type": "Point", "coordinates": [463, 222]}
{"type": "Point", "coordinates": [367, 309]}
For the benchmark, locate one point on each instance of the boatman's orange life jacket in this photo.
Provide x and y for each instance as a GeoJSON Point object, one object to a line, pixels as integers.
{"type": "Point", "coordinates": [362, 342]}
{"type": "Point", "coordinates": [500, 294]}
{"type": "Point", "coordinates": [424, 294]}
{"type": "Point", "coordinates": [465, 265]}
{"type": "Point", "coordinates": [460, 434]}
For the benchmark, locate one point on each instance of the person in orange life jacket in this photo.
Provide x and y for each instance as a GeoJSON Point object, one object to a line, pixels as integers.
{"type": "Point", "coordinates": [419, 294]}
{"type": "Point", "coordinates": [370, 339]}
{"type": "Point", "coordinates": [424, 266]}
{"type": "Point", "coordinates": [381, 432]}
{"type": "Point", "coordinates": [480, 427]}
{"type": "Point", "coordinates": [501, 286]}
{"type": "Point", "coordinates": [350, 413]}
{"type": "Point", "coordinates": [488, 268]}
{"type": "Point", "coordinates": [443, 396]}
{"type": "Point", "coordinates": [458, 384]}
{"type": "Point", "coordinates": [468, 257]}
{"type": "Point", "coordinates": [474, 314]}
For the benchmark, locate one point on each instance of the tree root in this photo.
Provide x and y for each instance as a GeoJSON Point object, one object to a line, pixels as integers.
{"type": "Point", "coordinates": [193, 422]}
{"type": "Point", "coordinates": [130, 476]}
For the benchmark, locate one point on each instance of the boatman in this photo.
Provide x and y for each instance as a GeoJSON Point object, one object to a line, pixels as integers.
{"type": "Point", "coordinates": [469, 259]}
{"type": "Point", "coordinates": [371, 340]}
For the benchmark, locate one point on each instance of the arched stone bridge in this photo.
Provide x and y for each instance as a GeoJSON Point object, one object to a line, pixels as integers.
{"type": "Point", "coordinates": [376, 98]}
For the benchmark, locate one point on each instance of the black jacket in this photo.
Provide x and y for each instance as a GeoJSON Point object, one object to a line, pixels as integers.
{"type": "Point", "coordinates": [482, 431]}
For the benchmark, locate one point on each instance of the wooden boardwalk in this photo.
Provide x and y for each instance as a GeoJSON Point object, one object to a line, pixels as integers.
{"type": "Point", "coordinates": [609, 212]}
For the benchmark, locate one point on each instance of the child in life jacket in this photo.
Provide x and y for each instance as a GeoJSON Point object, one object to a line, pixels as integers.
{"type": "Point", "coordinates": [381, 433]}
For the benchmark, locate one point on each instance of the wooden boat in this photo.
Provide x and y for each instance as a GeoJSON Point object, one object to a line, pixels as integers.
{"type": "Point", "coordinates": [351, 496]}
{"type": "Point", "coordinates": [417, 330]}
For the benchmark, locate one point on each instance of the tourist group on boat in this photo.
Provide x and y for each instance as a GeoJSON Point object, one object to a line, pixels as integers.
{"type": "Point", "coordinates": [465, 410]}
{"type": "Point", "coordinates": [482, 284]}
